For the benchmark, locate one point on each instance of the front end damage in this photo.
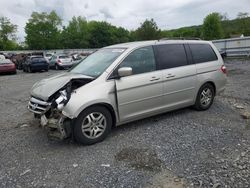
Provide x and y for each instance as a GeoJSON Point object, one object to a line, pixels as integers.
{"type": "Point", "coordinates": [49, 111]}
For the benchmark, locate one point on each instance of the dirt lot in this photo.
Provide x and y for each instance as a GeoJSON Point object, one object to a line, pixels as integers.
{"type": "Point", "coordinates": [184, 148]}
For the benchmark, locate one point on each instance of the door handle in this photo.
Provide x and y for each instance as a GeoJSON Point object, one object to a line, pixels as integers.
{"type": "Point", "coordinates": [170, 76]}
{"type": "Point", "coordinates": [154, 79]}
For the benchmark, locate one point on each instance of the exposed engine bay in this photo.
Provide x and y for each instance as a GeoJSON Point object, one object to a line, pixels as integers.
{"type": "Point", "coordinates": [50, 112]}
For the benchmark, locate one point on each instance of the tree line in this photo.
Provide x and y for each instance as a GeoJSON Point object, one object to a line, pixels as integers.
{"type": "Point", "coordinates": [45, 31]}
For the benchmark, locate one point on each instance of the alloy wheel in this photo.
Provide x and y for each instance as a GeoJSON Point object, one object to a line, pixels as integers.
{"type": "Point", "coordinates": [94, 125]}
{"type": "Point", "coordinates": [206, 97]}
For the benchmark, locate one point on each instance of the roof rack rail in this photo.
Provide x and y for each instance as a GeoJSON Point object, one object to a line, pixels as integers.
{"type": "Point", "coordinates": [180, 38]}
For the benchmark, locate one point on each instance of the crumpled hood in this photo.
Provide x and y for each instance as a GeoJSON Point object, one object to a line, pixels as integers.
{"type": "Point", "coordinates": [45, 88]}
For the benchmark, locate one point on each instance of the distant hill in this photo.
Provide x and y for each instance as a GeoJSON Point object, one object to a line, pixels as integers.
{"type": "Point", "coordinates": [230, 28]}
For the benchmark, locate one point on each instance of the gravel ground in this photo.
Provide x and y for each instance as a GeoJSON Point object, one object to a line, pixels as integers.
{"type": "Point", "coordinates": [184, 148]}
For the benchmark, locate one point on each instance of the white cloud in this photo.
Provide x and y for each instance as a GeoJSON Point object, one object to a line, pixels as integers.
{"type": "Point", "coordinates": [125, 13]}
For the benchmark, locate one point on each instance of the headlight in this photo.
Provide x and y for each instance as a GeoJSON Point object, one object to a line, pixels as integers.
{"type": "Point", "coordinates": [61, 100]}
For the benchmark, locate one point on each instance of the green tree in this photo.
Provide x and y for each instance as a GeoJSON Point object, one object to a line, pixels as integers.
{"type": "Point", "coordinates": [120, 35]}
{"type": "Point", "coordinates": [76, 34]}
{"type": "Point", "coordinates": [148, 31]}
{"type": "Point", "coordinates": [42, 30]}
{"type": "Point", "coordinates": [244, 23]}
{"type": "Point", "coordinates": [212, 28]}
{"type": "Point", "coordinates": [7, 34]}
{"type": "Point", "coordinates": [101, 34]}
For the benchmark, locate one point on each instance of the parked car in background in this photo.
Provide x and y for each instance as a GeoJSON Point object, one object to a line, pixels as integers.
{"type": "Point", "coordinates": [7, 66]}
{"type": "Point", "coordinates": [77, 58]}
{"type": "Point", "coordinates": [35, 63]}
{"type": "Point", "coordinates": [48, 56]}
{"type": "Point", "coordinates": [19, 59]}
{"type": "Point", "coordinates": [2, 57]}
{"type": "Point", "coordinates": [126, 82]}
{"type": "Point", "coordinates": [61, 61]}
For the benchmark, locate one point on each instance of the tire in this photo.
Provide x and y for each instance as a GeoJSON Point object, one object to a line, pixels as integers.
{"type": "Point", "coordinates": [205, 97]}
{"type": "Point", "coordinates": [87, 125]}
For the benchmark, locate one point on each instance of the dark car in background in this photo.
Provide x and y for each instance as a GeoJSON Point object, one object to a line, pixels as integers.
{"type": "Point", "coordinates": [7, 66]}
{"type": "Point", "coordinates": [61, 61]}
{"type": "Point", "coordinates": [35, 63]}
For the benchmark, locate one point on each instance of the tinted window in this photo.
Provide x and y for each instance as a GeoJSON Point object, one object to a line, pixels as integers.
{"type": "Point", "coordinates": [64, 56]}
{"type": "Point", "coordinates": [202, 53]}
{"type": "Point", "coordinates": [170, 55]}
{"type": "Point", "coordinates": [38, 60]}
{"type": "Point", "coordinates": [5, 61]}
{"type": "Point", "coordinates": [141, 60]}
{"type": "Point", "coordinates": [48, 55]}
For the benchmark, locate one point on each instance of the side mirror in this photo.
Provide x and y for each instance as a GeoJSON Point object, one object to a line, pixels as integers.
{"type": "Point", "coordinates": [124, 71]}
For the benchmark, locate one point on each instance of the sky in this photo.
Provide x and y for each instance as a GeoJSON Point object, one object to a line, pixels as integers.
{"type": "Point", "coordinates": [126, 13]}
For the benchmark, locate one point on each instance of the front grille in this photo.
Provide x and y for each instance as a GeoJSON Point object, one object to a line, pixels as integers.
{"type": "Point", "coordinates": [38, 106]}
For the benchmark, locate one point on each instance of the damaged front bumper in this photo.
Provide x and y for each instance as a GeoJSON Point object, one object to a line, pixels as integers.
{"type": "Point", "coordinates": [58, 129]}
{"type": "Point", "coordinates": [58, 126]}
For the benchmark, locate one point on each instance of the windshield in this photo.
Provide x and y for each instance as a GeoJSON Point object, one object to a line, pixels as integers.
{"type": "Point", "coordinates": [5, 61]}
{"type": "Point", "coordinates": [38, 59]}
{"type": "Point", "coordinates": [95, 64]}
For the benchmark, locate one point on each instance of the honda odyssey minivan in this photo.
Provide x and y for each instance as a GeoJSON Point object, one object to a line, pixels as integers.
{"type": "Point", "coordinates": [126, 82]}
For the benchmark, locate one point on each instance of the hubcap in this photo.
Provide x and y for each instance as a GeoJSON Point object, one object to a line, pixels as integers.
{"type": "Point", "coordinates": [206, 97]}
{"type": "Point", "coordinates": [94, 125]}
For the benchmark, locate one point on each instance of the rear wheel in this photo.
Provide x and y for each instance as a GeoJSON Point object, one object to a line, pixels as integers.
{"type": "Point", "coordinates": [92, 125]}
{"type": "Point", "coordinates": [205, 97]}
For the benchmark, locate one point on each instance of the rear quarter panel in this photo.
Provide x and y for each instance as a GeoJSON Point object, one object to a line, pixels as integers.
{"type": "Point", "coordinates": [211, 72]}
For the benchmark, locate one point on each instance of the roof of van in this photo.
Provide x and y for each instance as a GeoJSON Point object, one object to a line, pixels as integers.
{"type": "Point", "coordinates": [152, 42]}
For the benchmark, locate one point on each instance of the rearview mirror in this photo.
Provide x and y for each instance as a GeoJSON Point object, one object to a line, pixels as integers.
{"type": "Point", "coordinates": [125, 71]}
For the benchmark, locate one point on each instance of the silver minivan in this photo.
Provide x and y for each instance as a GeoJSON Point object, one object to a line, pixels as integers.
{"type": "Point", "coordinates": [126, 82]}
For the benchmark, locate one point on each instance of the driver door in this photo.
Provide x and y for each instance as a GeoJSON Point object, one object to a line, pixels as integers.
{"type": "Point", "coordinates": [139, 94]}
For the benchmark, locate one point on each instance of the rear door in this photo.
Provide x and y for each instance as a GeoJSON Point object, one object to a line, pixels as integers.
{"type": "Point", "coordinates": [179, 75]}
{"type": "Point", "coordinates": [140, 94]}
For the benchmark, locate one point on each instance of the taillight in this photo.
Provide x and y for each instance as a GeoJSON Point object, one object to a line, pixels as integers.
{"type": "Point", "coordinates": [224, 69]}
{"type": "Point", "coordinates": [58, 61]}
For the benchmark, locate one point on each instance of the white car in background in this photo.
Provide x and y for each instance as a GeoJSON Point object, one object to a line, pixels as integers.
{"type": "Point", "coordinates": [2, 57]}
{"type": "Point", "coordinates": [61, 61]}
{"type": "Point", "coordinates": [48, 56]}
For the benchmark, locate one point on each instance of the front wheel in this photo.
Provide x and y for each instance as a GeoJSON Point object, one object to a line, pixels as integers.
{"type": "Point", "coordinates": [205, 97]}
{"type": "Point", "coordinates": [92, 125]}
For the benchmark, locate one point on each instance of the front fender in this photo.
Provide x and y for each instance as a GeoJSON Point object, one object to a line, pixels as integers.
{"type": "Point", "coordinates": [88, 95]}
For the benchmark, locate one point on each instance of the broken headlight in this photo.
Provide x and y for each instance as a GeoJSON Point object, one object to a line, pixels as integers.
{"type": "Point", "coordinates": [62, 100]}
{"type": "Point", "coordinates": [64, 97]}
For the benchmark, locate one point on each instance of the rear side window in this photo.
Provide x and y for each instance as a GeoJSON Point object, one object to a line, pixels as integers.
{"type": "Point", "coordinates": [202, 53]}
{"type": "Point", "coordinates": [170, 55]}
